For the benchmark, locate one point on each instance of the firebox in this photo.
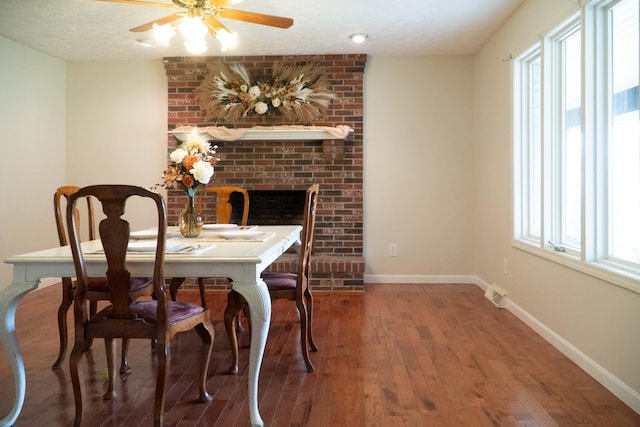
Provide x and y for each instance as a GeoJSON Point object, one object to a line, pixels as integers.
{"type": "Point", "coordinates": [270, 207]}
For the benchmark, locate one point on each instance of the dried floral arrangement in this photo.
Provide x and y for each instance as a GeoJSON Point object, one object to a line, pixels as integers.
{"type": "Point", "coordinates": [300, 94]}
{"type": "Point", "coordinates": [190, 165]}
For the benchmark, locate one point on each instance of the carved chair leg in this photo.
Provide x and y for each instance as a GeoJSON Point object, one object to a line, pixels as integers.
{"type": "Point", "coordinates": [162, 376]}
{"type": "Point", "coordinates": [207, 334]}
{"type": "Point", "coordinates": [87, 341]}
{"type": "Point", "coordinates": [239, 327]}
{"type": "Point", "coordinates": [67, 300]}
{"type": "Point", "coordinates": [174, 285]}
{"type": "Point", "coordinates": [93, 309]}
{"type": "Point", "coordinates": [309, 299]}
{"type": "Point", "coordinates": [247, 315]}
{"type": "Point", "coordinates": [304, 336]}
{"type": "Point", "coordinates": [203, 299]}
{"type": "Point", "coordinates": [111, 368]}
{"type": "Point", "coordinates": [235, 303]}
{"type": "Point", "coordinates": [74, 359]}
{"type": "Point", "coordinates": [124, 361]}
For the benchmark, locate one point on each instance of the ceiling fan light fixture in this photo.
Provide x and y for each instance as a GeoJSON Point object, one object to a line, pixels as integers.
{"type": "Point", "coordinates": [163, 33]}
{"type": "Point", "coordinates": [358, 38]}
{"type": "Point", "coordinates": [226, 39]}
{"type": "Point", "coordinates": [195, 47]}
{"type": "Point", "coordinates": [196, 18]}
{"type": "Point", "coordinates": [193, 29]}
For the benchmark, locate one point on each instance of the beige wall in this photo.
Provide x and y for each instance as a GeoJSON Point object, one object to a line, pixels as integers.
{"type": "Point", "coordinates": [73, 124]}
{"type": "Point", "coordinates": [437, 176]}
{"type": "Point", "coordinates": [418, 168]}
{"type": "Point", "coordinates": [117, 125]}
{"type": "Point", "coordinates": [32, 131]}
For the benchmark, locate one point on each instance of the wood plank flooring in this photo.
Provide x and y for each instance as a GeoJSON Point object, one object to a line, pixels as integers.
{"type": "Point", "coordinates": [395, 355]}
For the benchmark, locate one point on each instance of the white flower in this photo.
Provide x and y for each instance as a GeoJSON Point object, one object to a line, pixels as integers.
{"type": "Point", "coordinates": [254, 92]}
{"type": "Point", "coordinates": [196, 144]}
{"type": "Point", "coordinates": [202, 171]}
{"type": "Point", "coordinates": [261, 107]}
{"type": "Point", "coordinates": [275, 102]}
{"type": "Point", "coordinates": [177, 155]}
{"type": "Point", "coordinates": [244, 88]}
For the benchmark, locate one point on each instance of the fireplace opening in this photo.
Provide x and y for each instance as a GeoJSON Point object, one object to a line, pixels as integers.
{"type": "Point", "coordinates": [270, 207]}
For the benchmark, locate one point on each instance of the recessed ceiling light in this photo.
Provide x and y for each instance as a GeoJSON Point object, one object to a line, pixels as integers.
{"type": "Point", "coordinates": [358, 38]}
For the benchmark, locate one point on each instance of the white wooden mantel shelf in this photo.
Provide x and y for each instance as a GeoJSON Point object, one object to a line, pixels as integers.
{"type": "Point", "coordinates": [332, 137]}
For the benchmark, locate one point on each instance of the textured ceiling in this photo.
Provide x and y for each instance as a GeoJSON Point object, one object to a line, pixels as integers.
{"type": "Point", "coordinates": [91, 30]}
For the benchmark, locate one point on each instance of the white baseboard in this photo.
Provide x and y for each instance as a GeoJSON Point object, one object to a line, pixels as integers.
{"type": "Point", "coordinates": [612, 383]}
{"type": "Point", "coordinates": [408, 278]}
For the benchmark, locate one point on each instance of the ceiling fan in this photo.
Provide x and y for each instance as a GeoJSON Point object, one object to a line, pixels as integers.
{"type": "Point", "coordinates": [200, 17]}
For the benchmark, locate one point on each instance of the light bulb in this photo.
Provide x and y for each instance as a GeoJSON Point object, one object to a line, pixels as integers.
{"type": "Point", "coordinates": [163, 33]}
{"type": "Point", "coordinates": [193, 29]}
{"type": "Point", "coordinates": [195, 46]}
{"type": "Point", "coordinates": [226, 39]}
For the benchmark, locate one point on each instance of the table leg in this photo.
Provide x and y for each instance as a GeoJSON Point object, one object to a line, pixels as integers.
{"type": "Point", "coordinates": [260, 308]}
{"type": "Point", "coordinates": [9, 299]}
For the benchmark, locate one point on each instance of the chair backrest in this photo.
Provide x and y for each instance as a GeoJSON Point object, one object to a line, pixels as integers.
{"type": "Point", "coordinates": [60, 212]}
{"type": "Point", "coordinates": [223, 207]}
{"type": "Point", "coordinates": [114, 233]}
{"type": "Point", "coordinates": [306, 237]}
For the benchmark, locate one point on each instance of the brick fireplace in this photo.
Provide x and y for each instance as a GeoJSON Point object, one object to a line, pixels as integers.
{"type": "Point", "coordinates": [291, 164]}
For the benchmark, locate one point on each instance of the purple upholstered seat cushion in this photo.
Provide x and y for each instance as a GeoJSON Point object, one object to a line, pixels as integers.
{"type": "Point", "coordinates": [279, 281]}
{"type": "Point", "coordinates": [147, 310]}
{"type": "Point", "coordinates": [178, 310]}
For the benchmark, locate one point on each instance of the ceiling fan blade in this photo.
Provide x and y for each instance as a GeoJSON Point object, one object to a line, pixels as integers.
{"type": "Point", "coordinates": [141, 3]}
{"type": "Point", "coordinates": [214, 24]}
{"type": "Point", "coordinates": [149, 25]}
{"type": "Point", "coordinates": [256, 18]}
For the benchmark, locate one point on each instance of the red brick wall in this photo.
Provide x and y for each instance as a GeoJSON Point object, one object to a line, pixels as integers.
{"type": "Point", "coordinates": [336, 166]}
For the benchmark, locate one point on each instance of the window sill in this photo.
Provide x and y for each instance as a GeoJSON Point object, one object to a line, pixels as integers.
{"type": "Point", "coordinates": [610, 274]}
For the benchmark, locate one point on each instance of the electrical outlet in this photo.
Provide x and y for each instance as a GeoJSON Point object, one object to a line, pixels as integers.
{"type": "Point", "coordinates": [393, 249]}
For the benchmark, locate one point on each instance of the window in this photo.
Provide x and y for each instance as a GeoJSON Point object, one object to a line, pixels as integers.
{"type": "Point", "coordinates": [624, 137]}
{"type": "Point", "coordinates": [565, 143]}
{"type": "Point", "coordinates": [529, 162]}
{"type": "Point", "coordinates": [577, 143]}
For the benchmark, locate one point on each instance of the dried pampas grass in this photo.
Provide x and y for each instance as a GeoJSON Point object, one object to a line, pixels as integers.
{"type": "Point", "coordinates": [299, 94]}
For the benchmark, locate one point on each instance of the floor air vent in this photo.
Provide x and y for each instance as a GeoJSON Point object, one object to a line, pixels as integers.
{"type": "Point", "coordinates": [497, 296]}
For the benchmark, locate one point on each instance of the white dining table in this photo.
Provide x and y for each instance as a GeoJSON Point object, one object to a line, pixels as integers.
{"type": "Point", "coordinates": [240, 260]}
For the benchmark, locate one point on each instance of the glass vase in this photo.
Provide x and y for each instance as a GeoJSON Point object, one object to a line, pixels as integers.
{"type": "Point", "coordinates": [190, 219]}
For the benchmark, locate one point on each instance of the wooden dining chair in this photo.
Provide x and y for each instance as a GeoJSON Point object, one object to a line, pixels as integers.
{"type": "Point", "coordinates": [97, 288]}
{"type": "Point", "coordinates": [224, 210]}
{"type": "Point", "coordinates": [287, 285]}
{"type": "Point", "coordinates": [155, 319]}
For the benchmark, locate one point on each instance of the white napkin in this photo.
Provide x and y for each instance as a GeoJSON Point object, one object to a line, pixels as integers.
{"type": "Point", "coordinates": [218, 227]}
{"type": "Point", "coordinates": [143, 234]}
{"type": "Point", "coordinates": [150, 246]}
{"type": "Point", "coordinates": [241, 234]}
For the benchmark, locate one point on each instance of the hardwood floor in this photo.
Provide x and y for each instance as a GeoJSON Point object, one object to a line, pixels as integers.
{"type": "Point", "coordinates": [396, 355]}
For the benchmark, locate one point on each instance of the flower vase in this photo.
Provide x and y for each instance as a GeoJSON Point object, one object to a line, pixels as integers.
{"type": "Point", "coordinates": [190, 219]}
